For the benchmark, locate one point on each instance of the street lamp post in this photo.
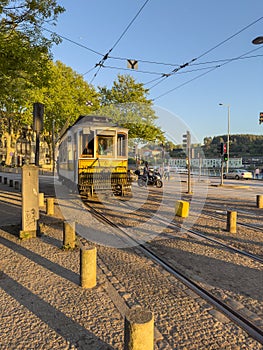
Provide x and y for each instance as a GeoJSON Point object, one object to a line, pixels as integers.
{"type": "Point", "coordinates": [228, 134]}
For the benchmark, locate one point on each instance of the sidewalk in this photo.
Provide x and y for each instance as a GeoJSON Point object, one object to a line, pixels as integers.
{"type": "Point", "coordinates": [42, 304]}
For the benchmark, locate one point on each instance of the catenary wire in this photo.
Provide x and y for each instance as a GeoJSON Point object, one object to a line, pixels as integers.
{"type": "Point", "coordinates": [106, 56]}
{"type": "Point", "coordinates": [72, 41]}
{"type": "Point", "coordinates": [163, 75]}
{"type": "Point", "coordinates": [205, 53]}
{"type": "Point", "coordinates": [192, 63]}
{"type": "Point", "coordinates": [201, 75]}
{"type": "Point", "coordinates": [155, 73]}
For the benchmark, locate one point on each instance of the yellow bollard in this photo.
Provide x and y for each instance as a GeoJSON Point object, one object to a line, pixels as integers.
{"type": "Point", "coordinates": [88, 267]}
{"type": "Point", "coordinates": [139, 330]}
{"type": "Point", "coordinates": [231, 221]}
{"type": "Point", "coordinates": [41, 199]}
{"type": "Point", "coordinates": [259, 201]}
{"type": "Point", "coordinates": [50, 206]}
{"type": "Point", "coordinates": [182, 209]}
{"type": "Point", "coordinates": [69, 236]}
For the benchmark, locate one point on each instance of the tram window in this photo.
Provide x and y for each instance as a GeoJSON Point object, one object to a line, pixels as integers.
{"type": "Point", "coordinates": [121, 145]}
{"type": "Point", "coordinates": [88, 145]}
{"type": "Point", "coordinates": [105, 145]}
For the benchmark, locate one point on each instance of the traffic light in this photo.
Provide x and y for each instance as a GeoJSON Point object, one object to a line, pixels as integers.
{"type": "Point", "coordinates": [225, 157]}
{"type": "Point", "coordinates": [221, 148]}
{"type": "Point", "coordinates": [260, 117]}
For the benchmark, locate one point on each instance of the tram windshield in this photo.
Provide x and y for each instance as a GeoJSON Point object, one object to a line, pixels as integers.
{"type": "Point", "coordinates": [105, 145]}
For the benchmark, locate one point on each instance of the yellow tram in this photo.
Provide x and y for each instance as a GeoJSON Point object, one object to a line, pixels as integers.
{"type": "Point", "coordinates": [93, 155]}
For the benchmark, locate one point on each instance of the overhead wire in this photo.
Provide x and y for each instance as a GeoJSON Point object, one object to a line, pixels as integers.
{"type": "Point", "coordinates": [106, 56]}
{"type": "Point", "coordinates": [230, 37]}
{"type": "Point", "coordinates": [163, 76]}
{"type": "Point", "coordinates": [205, 53]}
{"type": "Point", "coordinates": [72, 41]}
{"type": "Point", "coordinates": [191, 63]}
{"type": "Point", "coordinates": [201, 75]}
{"type": "Point", "coordinates": [154, 73]}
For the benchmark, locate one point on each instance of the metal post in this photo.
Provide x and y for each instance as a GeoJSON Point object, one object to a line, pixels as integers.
{"type": "Point", "coordinates": [228, 133]}
{"type": "Point", "coordinates": [222, 171]}
{"type": "Point", "coordinates": [37, 149]}
{"type": "Point", "coordinates": [53, 147]}
{"type": "Point", "coordinates": [228, 137]}
{"type": "Point", "coordinates": [38, 114]}
{"type": "Point", "coordinates": [189, 169]}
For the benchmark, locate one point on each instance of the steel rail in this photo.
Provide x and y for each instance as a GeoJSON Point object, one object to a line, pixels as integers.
{"type": "Point", "coordinates": [248, 326]}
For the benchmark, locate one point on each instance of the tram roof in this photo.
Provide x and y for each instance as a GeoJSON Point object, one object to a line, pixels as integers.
{"type": "Point", "coordinates": [94, 120]}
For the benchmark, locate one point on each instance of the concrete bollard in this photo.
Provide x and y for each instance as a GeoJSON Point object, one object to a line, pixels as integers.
{"type": "Point", "coordinates": [50, 206]}
{"type": "Point", "coordinates": [231, 221]}
{"type": "Point", "coordinates": [30, 208]}
{"type": "Point", "coordinates": [17, 185]}
{"type": "Point", "coordinates": [69, 236]}
{"type": "Point", "coordinates": [182, 209]}
{"type": "Point", "coordinates": [259, 201]}
{"type": "Point", "coordinates": [5, 180]}
{"type": "Point", "coordinates": [88, 267]}
{"type": "Point", "coordinates": [139, 330]}
{"type": "Point", "coordinates": [11, 183]}
{"type": "Point", "coordinates": [41, 199]}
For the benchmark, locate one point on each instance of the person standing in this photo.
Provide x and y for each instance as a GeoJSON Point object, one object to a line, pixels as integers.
{"type": "Point", "coordinates": [167, 173]}
{"type": "Point", "coordinates": [102, 146]}
{"type": "Point", "coordinates": [146, 173]}
{"type": "Point", "coordinates": [257, 173]}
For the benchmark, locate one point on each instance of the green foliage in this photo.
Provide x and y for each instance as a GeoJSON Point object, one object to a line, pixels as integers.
{"type": "Point", "coordinates": [127, 104]}
{"type": "Point", "coordinates": [24, 53]}
{"type": "Point", "coordinates": [242, 145]}
{"type": "Point", "coordinates": [65, 98]}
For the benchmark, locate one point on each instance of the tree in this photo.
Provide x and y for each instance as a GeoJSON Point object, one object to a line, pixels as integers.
{"type": "Point", "coordinates": [126, 102]}
{"type": "Point", "coordinates": [24, 55]}
{"type": "Point", "coordinates": [65, 99]}
{"type": "Point", "coordinates": [27, 16]}
{"type": "Point", "coordinates": [24, 50]}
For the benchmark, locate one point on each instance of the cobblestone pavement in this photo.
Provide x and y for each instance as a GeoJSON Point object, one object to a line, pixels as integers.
{"type": "Point", "coordinates": [43, 306]}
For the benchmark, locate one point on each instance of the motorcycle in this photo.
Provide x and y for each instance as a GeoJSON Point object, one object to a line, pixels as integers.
{"type": "Point", "coordinates": [154, 179]}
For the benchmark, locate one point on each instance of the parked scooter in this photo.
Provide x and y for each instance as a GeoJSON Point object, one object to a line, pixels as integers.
{"type": "Point", "coordinates": [154, 179]}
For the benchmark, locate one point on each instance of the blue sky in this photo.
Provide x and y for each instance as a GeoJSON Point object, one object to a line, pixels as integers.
{"type": "Point", "coordinates": [174, 32]}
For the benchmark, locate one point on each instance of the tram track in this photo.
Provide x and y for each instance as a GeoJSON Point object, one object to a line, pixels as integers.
{"type": "Point", "coordinates": [245, 323]}
{"type": "Point", "coordinates": [175, 226]}
{"type": "Point", "coordinates": [220, 215]}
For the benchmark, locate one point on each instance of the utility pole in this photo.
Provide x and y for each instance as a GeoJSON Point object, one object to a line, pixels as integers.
{"type": "Point", "coordinates": [187, 144]}
{"type": "Point", "coordinates": [222, 148]}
